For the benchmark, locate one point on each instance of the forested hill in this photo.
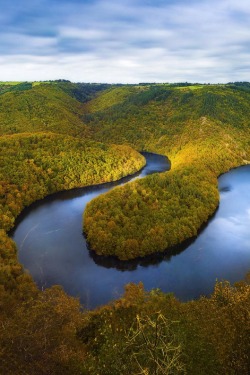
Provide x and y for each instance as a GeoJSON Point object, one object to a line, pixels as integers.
{"type": "Point", "coordinates": [53, 106]}
{"type": "Point", "coordinates": [156, 116]}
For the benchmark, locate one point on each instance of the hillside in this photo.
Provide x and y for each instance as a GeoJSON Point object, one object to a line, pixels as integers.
{"type": "Point", "coordinates": [52, 106]}
{"type": "Point", "coordinates": [59, 135]}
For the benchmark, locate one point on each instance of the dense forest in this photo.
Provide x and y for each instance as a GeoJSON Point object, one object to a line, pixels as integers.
{"type": "Point", "coordinates": [34, 165]}
{"type": "Point", "coordinates": [60, 135]}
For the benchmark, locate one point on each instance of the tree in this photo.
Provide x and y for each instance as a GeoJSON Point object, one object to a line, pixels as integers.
{"type": "Point", "coordinates": [155, 347]}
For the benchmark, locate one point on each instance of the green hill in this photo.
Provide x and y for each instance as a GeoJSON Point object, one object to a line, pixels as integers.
{"type": "Point", "coordinates": [37, 164]}
{"type": "Point", "coordinates": [52, 106]}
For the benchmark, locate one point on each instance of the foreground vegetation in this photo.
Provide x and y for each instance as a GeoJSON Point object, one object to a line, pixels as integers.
{"type": "Point", "coordinates": [60, 135]}
{"type": "Point", "coordinates": [141, 333]}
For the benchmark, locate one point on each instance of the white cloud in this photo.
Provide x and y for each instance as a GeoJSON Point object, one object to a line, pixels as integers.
{"type": "Point", "coordinates": [132, 41]}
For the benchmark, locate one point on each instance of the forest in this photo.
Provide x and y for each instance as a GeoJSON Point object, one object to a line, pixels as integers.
{"type": "Point", "coordinates": [59, 135]}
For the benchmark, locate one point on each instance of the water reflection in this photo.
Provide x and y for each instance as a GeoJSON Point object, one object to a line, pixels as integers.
{"type": "Point", "coordinates": [132, 265]}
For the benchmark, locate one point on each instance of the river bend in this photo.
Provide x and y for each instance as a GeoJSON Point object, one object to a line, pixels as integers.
{"type": "Point", "coordinates": [52, 248]}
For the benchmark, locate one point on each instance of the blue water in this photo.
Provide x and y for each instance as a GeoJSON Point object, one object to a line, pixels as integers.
{"type": "Point", "coordinates": [52, 248]}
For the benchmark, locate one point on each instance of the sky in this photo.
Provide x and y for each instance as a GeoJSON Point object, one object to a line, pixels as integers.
{"type": "Point", "coordinates": [125, 41]}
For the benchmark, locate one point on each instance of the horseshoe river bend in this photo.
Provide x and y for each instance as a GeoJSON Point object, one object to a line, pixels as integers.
{"type": "Point", "coordinates": [52, 247]}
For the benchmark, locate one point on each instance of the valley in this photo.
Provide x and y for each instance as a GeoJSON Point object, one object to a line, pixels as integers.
{"type": "Point", "coordinates": [57, 136]}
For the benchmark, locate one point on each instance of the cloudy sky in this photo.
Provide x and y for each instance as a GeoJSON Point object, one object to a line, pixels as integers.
{"type": "Point", "coordinates": [126, 41]}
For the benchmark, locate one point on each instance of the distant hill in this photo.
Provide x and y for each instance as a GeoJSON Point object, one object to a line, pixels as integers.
{"type": "Point", "coordinates": [150, 116]}
{"type": "Point", "coordinates": [51, 106]}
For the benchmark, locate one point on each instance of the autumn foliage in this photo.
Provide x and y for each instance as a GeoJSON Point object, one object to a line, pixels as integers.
{"type": "Point", "coordinates": [51, 141]}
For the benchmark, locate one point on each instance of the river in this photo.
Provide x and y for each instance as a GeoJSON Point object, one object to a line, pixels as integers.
{"type": "Point", "coordinates": [52, 248]}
